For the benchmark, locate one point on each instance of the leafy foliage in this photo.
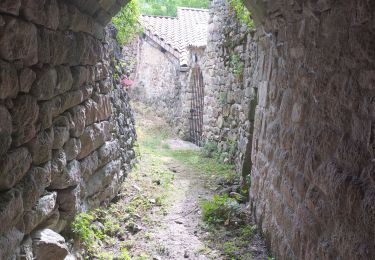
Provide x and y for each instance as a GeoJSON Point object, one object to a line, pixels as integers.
{"type": "Point", "coordinates": [242, 13]}
{"type": "Point", "coordinates": [126, 22]}
{"type": "Point", "coordinates": [220, 209]}
{"type": "Point", "coordinates": [236, 64]}
{"type": "Point", "coordinates": [89, 234]}
{"type": "Point", "coordinates": [209, 149]}
{"type": "Point", "coordinates": [168, 7]}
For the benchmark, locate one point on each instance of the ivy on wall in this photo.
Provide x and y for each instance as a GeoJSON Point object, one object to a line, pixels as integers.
{"type": "Point", "coordinates": [126, 22]}
{"type": "Point", "coordinates": [242, 13]}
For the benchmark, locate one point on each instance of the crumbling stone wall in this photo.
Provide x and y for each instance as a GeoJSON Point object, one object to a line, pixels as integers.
{"type": "Point", "coordinates": [66, 130]}
{"type": "Point", "coordinates": [161, 84]}
{"type": "Point", "coordinates": [313, 148]}
{"type": "Point", "coordinates": [230, 93]}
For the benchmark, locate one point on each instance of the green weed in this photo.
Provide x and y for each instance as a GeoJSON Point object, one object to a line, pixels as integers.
{"type": "Point", "coordinates": [248, 231]}
{"type": "Point", "coordinates": [219, 210]}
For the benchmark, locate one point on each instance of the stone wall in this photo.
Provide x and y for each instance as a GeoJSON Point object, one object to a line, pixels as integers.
{"type": "Point", "coordinates": [161, 84]}
{"type": "Point", "coordinates": [230, 93]}
{"type": "Point", "coordinates": [66, 129]}
{"type": "Point", "coordinates": [313, 149]}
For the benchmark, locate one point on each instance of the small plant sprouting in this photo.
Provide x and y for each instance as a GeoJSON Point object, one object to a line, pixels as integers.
{"type": "Point", "coordinates": [220, 209]}
{"type": "Point", "coordinates": [209, 149]}
{"type": "Point", "coordinates": [236, 64]}
{"type": "Point", "coordinates": [242, 13]}
{"type": "Point", "coordinates": [223, 98]}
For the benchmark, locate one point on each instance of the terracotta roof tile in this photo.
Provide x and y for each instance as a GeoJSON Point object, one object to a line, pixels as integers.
{"type": "Point", "coordinates": [176, 34]}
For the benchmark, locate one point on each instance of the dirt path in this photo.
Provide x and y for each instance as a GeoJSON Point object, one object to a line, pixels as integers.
{"type": "Point", "coordinates": [158, 213]}
{"type": "Point", "coordinates": [180, 231]}
{"type": "Point", "coordinates": [176, 234]}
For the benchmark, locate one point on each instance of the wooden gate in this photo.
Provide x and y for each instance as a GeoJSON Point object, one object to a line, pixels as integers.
{"type": "Point", "coordinates": [196, 107]}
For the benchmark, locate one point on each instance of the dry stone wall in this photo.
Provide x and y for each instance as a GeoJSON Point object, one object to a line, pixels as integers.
{"type": "Point", "coordinates": [66, 128]}
{"type": "Point", "coordinates": [230, 93]}
{"type": "Point", "coordinates": [313, 147]}
{"type": "Point", "coordinates": [161, 85]}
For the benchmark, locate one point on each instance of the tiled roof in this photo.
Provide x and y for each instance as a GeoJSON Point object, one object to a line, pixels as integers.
{"type": "Point", "coordinates": [176, 34]}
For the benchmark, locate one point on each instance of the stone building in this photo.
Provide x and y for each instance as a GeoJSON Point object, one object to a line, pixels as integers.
{"type": "Point", "coordinates": [168, 72]}
{"type": "Point", "coordinates": [230, 95]}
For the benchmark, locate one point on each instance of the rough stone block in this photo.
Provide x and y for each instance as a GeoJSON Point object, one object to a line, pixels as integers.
{"type": "Point", "coordinates": [78, 117]}
{"type": "Point", "coordinates": [34, 184]}
{"type": "Point", "coordinates": [10, 6]}
{"type": "Point", "coordinates": [18, 41]}
{"type": "Point", "coordinates": [26, 249]}
{"type": "Point", "coordinates": [40, 212]}
{"type": "Point", "coordinates": [72, 148]}
{"type": "Point", "coordinates": [102, 178]}
{"type": "Point", "coordinates": [5, 130]}
{"type": "Point", "coordinates": [13, 167]}
{"type": "Point", "coordinates": [10, 241]}
{"type": "Point", "coordinates": [41, 146]}
{"type": "Point", "coordinates": [108, 152]}
{"type": "Point", "coordinates": [88, 50]}
{"type": "Point", "coordinates": [25, 112]}
{"type": "Point", "coordinates": [48, 244]}
{"type": "Point", "coordinates": [61, 132]}
{"type": "Point", "coordinates": [105, 86]}
{"type": "Point", "coordinates": [71, 99]}
{"type": "Point", "coordinates": [80, 76]}
{"type": "Point", "coordinates": [45, 85]}
{"type": "Point", "coordinates": [87, 92]}
{"type": "Point", "coordinates": [93, 137]}
{"type": "Point", "coordinates": [58, 163]}
{"type": "Point", "coordinates": [44, 13]}
{"type": "Point", "coordinates": [48, 110]}
{"type": "Point", "coordinates": [104, 106]}
{"type": "Point", "coordinates": [79, 21]}
{"type": "Point", "coordinates": [69, 202]}
{"type": "Point", "coordinates": [9, 86]}
{"type": "Point", "coordinates": [68, 177]}
{"type": "Point", "coordinates": [26, 79]}
{"type": "Point", "coordinates": [64, 79]}
{"type": "Point", "coordinates": [89, 165]}
{"type": "Point", "coordinates": [11, 209]}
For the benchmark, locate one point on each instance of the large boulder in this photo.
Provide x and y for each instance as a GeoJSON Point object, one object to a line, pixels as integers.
{"type": "Point", "coordinates": [48, 244]}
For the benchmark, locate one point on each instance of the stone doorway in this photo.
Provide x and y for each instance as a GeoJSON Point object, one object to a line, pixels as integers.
{"type": "Point", "coordinates": [196, 106]}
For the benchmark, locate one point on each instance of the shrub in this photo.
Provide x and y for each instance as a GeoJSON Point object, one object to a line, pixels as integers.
{"type": "Point", "coordinates": [126, 22]}
{"type": "Point", "coordinates": [89, 234]}
{"type": "Point", "coordinates": [209, 149]}
{"type": "Point", "coordinates": [236, 64]}
{"type": "Point", "coordinates": [242, 13]}
{"type": "Point", "coordinates": [220, 209]}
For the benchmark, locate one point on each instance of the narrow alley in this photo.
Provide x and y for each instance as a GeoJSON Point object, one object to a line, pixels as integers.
{"type": "Point", "coordinates": [187, 129]}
